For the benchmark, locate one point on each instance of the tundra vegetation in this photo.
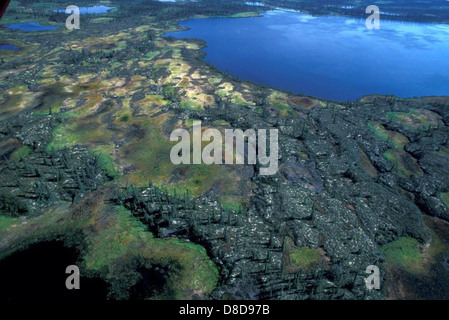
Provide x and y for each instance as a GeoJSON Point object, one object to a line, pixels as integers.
{"type": "Point", "coordinates": [85, 124]}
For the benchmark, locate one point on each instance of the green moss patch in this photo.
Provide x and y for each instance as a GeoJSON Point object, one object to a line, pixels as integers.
{"type": "Point", "coordinates": [231, 203]}
{"type": "Point", "coordinates": [397, 139]}
{"type": "Point", "coordinates": [5, 223]}
{"type": "Point", "coordinates": [300, 259]}
{"type": "Point", "coordinates": [222, 123]}
{"type": "Point", "coordinates": [125, 237]}
{"type": "Point", "coordinates": [416, 119]}
{"type": "Point", "coordinates": [101, 20]}
{"type": "Point", "coordinates": [305, 258]}
{"type": "Point", "coordinates": [445, 198]}
{"type": "Point", "coordinates": [106, 160]}
{"type": "Point", "coordinates": [191, 105]}
{"type": "Point", "coordinates": [237, 98]}
{"type": "Point", "coordinates": [403, 163]}
{"type": "Point", "coordinates": [20, 153]}
{"type": "Point", "coordinates": [150, 154]}
{"type": "Point", "coordinates": [279, 101]}
{"type": "Point", "coordinates": [113, 240]}
{"type": "Point", "coordinates": [245, 14]}
{"type": "Point", "coordinates": [154, 100]}
{"type": "Point", "coordinates": [404, 253]}
{"type": "Point", "coordinates": [90, 134]}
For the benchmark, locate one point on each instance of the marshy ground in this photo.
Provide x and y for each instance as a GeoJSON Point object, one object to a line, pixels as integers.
{"type": "Point", "coordinates": [86, 117]}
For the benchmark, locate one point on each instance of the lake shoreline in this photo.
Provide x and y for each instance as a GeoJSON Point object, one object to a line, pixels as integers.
{"type": "Point", "coordinates": [397, 80]}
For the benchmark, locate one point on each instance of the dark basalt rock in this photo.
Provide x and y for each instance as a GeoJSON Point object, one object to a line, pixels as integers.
{"type": "Point", "coordinates": [326, 202]}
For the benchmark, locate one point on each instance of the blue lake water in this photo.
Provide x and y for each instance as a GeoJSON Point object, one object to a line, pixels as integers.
{"type": "Point", "coordinates": [328, 57]}
{"type": "Point", "coordinates": [90, 10]}
{"type": "Point", "coordinates": [9, 47]}
{"type": "Point", "coordinates": [30, 26]}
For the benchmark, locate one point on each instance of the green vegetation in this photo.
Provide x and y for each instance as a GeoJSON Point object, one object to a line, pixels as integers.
{"type": "Point", "coordinates": [169, 92]}
{"type": "Point", "coordinates": [214, 80]}
{"type": "Point", "coordinates": [151, 157]}
{"type": "Point", "coordinates": [101, 20]}
{"type": "Point", "coordinates": [305, 258]}
{"type": "Point", "coordinates": [154, 100]}
{"type": "Point", "coordinates": [19, 234]}
{"type": "Point", "coordinates": [189, 122]}
{"type": "Point", "coordinates": [300, 259]}
{"type": "Point", "coordinates": [415, 119]}
{"type": "Point", "coordinates": [114, 240]}
{"type": "Point", "coordinates": [190, 105]}
{"type": "Point", "coordinates": [222, 123]}
{"type": "Point", "coordinates": [237, 98]}
{"type": "Point", "coordinates": [125, 237]}
{"type": "Point", "coordinates": [397, 139]}
{"type": "Point", "coordinates": [5, 223]}
{"type": "Point", "coordinates": [106, 161]}
{"type": "Point", "coordinates": [445, 198]}
{"type": "Point", "coordinates": [279, 101]}
{"type": "Point", "coordinates": [109, 90]}
{"type": "Point", "coordinates": [245, 14]}
{"type": "Point", "coordinates": [405, 253]}
{"type": "Point", "coordinates": [403, 163]}
{"type": "Point", "coordinates": [231, 203]}
{"type": "Point", "coordinates": [12, 206]}
{"type": "Point", "coordinates": [20, 153]}
{"type": "Point", "coordinates": [71, 134]}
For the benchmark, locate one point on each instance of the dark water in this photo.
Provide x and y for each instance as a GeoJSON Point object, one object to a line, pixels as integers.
{"type": "Point", "coordinates": [9, 47]}
{"type": "Point", "coordinates": [39, 273]}
{"type": "Point", "coordinates": [152, 282]}
{"type": "Point", "coordinates": [90, 10]}
{"type": "Point", "coordinates": [30, 27]}
{"type": "Point", "coordinates": [328, 57]}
